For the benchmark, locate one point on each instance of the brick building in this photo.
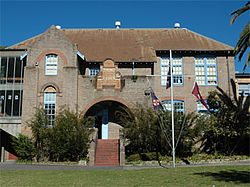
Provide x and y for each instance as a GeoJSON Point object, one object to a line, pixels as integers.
{"type": "Point", "coordinates": [94, 71]}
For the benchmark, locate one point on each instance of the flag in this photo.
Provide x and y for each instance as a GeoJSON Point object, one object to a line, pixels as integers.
{"type": "Point", "coordinates": [196, 92]}
{"type": "Point", "coordinates": [168, 84]}
{"type": "Point", "coordinates": [156, 102]}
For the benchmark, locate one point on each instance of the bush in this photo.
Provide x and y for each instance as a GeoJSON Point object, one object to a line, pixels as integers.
{"type": "Point", "coordinates": [70, 137]}
{"type": "Point", "coordinates": [66, 140]}
{"type": "Point", "coordinates": [227, 129]}
{"type": "Point", "coordinates": [24, 147]}
{"type": "Point", "coordinates": [143, 156]}
{"type": "Point", "coordinates": [144, 134]}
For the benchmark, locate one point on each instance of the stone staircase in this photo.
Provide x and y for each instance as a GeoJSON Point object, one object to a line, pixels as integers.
{"type": "Point", "coordinates": [107, 152]}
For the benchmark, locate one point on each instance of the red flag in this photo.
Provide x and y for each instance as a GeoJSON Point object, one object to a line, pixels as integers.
{"type": "Point", "coordinates": [197, 94]}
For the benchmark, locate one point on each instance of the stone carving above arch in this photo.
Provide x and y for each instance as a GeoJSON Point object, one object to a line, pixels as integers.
{"type": "Point", "coordinates": [109, 76]}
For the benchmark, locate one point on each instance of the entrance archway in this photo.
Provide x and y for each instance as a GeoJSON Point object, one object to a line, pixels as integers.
{"type": "Point", "coordinates": [106, 118]}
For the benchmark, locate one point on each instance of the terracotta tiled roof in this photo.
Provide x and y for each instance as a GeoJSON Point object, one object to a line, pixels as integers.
{"type": "Point", "coordinates": [139, 45]}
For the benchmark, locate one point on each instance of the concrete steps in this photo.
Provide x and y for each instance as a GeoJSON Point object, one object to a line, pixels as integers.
{"type": "Point", "coordinates": [107, 153]}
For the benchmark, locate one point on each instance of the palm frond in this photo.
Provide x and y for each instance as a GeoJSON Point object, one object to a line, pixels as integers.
{"type": "Point", "coordinates": [234, 90]}
{"type": "Point", "coordinates": [246, 104]}
{"type": "Point", "coordinates": [226, 99]}
{"type": "Point", "coordinates": [239, 12]}
{"type": "Point", "coordinates": [244, 37]}
{"type": "Point", "coordinates": [243, 49]}
{"type": "Point", "coordinates": [247, 62]}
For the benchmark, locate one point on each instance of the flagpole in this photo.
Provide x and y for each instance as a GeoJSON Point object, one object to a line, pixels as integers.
{"type": "Point", "coordinates": [172, 106]}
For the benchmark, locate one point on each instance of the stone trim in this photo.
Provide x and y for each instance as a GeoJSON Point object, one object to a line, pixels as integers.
{"type": "Point", "coordinates": [106, 98]}
{"type": "Point", "coordinates": [169, 98]}
{"type": "Point", "coordinates": [52, 51]}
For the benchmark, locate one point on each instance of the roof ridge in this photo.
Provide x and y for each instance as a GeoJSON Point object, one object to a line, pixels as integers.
{"type": "Point", "coordinates": [23, 41]}
{"type": "Point", "coordinates": [123, 29]}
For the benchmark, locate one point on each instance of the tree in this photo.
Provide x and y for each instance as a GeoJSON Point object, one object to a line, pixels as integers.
{"type": "Point", "coordinates": [66, 140]}
{"type": "Point", "coordinates": [228, 128]}
{"type": "Point", "coordinates": [24, 147]}
{"type": "Point", "coordinates": [69, 137]}
{"type": "Point", "coordinates": [142, 130]}
{"type": "Point", "coordinates": [243, 42]}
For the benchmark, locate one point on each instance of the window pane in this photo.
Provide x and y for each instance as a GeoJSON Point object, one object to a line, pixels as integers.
{"type": "Point", "coordinates": [10, 75]}
{"type": "Point", "coordinates": [93, 71]}
{"type": "Point", "coordinates": [199, 61]}
{"type": "Point", "coordinates": [211, 61]}
{"type": "Point", "coordinates": [50, 106]}
{"type": "Point", "coordinates": [18, 70]}
{"type": "Point", "coordinates": [3, 70]}
{"type": "Point", "coordinates": [165, 61]}
{"type": "Point", "coordinates": [16, 103]}
{"type": "Point", "coordinates": [51, 65]}
{"type": "Point", "coordinates": [8, 103]}
{"type": "Point", "coordinates": [2, 103]}
{"type": "Point", "coordinates": [177, 70]}
{"type": "Point", "coordinates": [211, 75]}
{"type": "Point", "coordinates": [244, 89]}
{"type": "Point", "coordinates": [178, 105]}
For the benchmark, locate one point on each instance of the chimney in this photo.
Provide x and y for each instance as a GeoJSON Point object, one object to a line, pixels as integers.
{"type": "Point", "coordinates": [177, 25]}
{"type": "Point", "coordinates": [117, 24]}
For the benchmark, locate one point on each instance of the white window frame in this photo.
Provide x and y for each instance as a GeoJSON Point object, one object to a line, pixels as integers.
{"type": "Point", "coordinates": [201, 109]}
{"type": "Point", "coordinates": [49, 106]}
{"type": "Point", "coordinates": [167, 105]}
{"type": "Point", "coordinates": [51, 64]}
{"type": "Point", "coordinates": [244, 89]}
{"type": "Point", "coordinates": [203, 73]}
{"type": "Point", "coordinates": [177, 70]}
{"type": "Point", "coordinates": [94, 71]}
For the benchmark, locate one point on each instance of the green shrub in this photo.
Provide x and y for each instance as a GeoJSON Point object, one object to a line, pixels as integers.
{"type": "Point", "coordinates": [66, 140]}
{"type": "Point", "coordinates": [143, 130]}
{"type": "Point", "coordinates": [70, 137]}
{"type": "Point", "coordinates": [143, 156]}
{"type": "Point", "coordinates": [24, 147]}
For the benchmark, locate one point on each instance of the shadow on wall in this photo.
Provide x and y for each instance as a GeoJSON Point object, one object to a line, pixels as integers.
{"type": "Point", "coordinates": [6, 142]}
{"type": "Point", "coordinates": [237, 177]}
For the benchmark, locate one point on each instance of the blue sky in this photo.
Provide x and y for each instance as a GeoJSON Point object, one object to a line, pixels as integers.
{"type": "Point", "coordinates": [20, 20]}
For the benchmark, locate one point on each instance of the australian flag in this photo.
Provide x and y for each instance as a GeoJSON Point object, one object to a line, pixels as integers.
{"type": "Point", "coordinates": [156, 102]}
{"type": "Point", "coordinates": [168, 83]}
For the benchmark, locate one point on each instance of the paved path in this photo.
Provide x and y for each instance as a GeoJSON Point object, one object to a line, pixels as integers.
{"type": "Point", "coordinates": [13, 166]}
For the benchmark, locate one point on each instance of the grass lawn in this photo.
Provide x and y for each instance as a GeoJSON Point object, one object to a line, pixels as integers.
{"type": "Point", "coordinates": [189, 176]}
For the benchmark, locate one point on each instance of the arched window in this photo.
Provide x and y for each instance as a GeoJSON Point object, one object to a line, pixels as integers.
{"type": "Point", "coordinates": [49, 104]}
{"type": "Point", "coordinates": [51, 64]}
{"type": "Point", "coordinates": [178, 105]}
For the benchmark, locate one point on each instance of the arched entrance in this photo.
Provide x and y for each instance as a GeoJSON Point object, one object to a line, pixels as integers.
{"type": "Point", "coordinates": [106, 118]}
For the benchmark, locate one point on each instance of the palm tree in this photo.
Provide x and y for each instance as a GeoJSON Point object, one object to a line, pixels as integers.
{"type": "Point", "coordinates": [243, 42]}
{"type": "Point", "coordinates": [228, 126]}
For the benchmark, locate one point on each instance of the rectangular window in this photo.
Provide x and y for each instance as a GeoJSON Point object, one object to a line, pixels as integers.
{"type": "Point", "coordinates": [10, 103]}
{"type": "Point", "coordinates": [94, 71]}
{"type": "Point", "coordinates": [49, 106]}
{"type": "Point", "coordinates": [51, 64]}
{"type": "Point", "coordinates": [11, 72]}
{"type": "Point", "coordinates": [205, 70]}
{"type": "Point", "coordinates": [177, 70]}
{"type": "Point", "coordinates": [3, 69]}
{"type": "Point", "coordinates": [244, 89]}
{"type": "Point", "coordinates": [178, 106]}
